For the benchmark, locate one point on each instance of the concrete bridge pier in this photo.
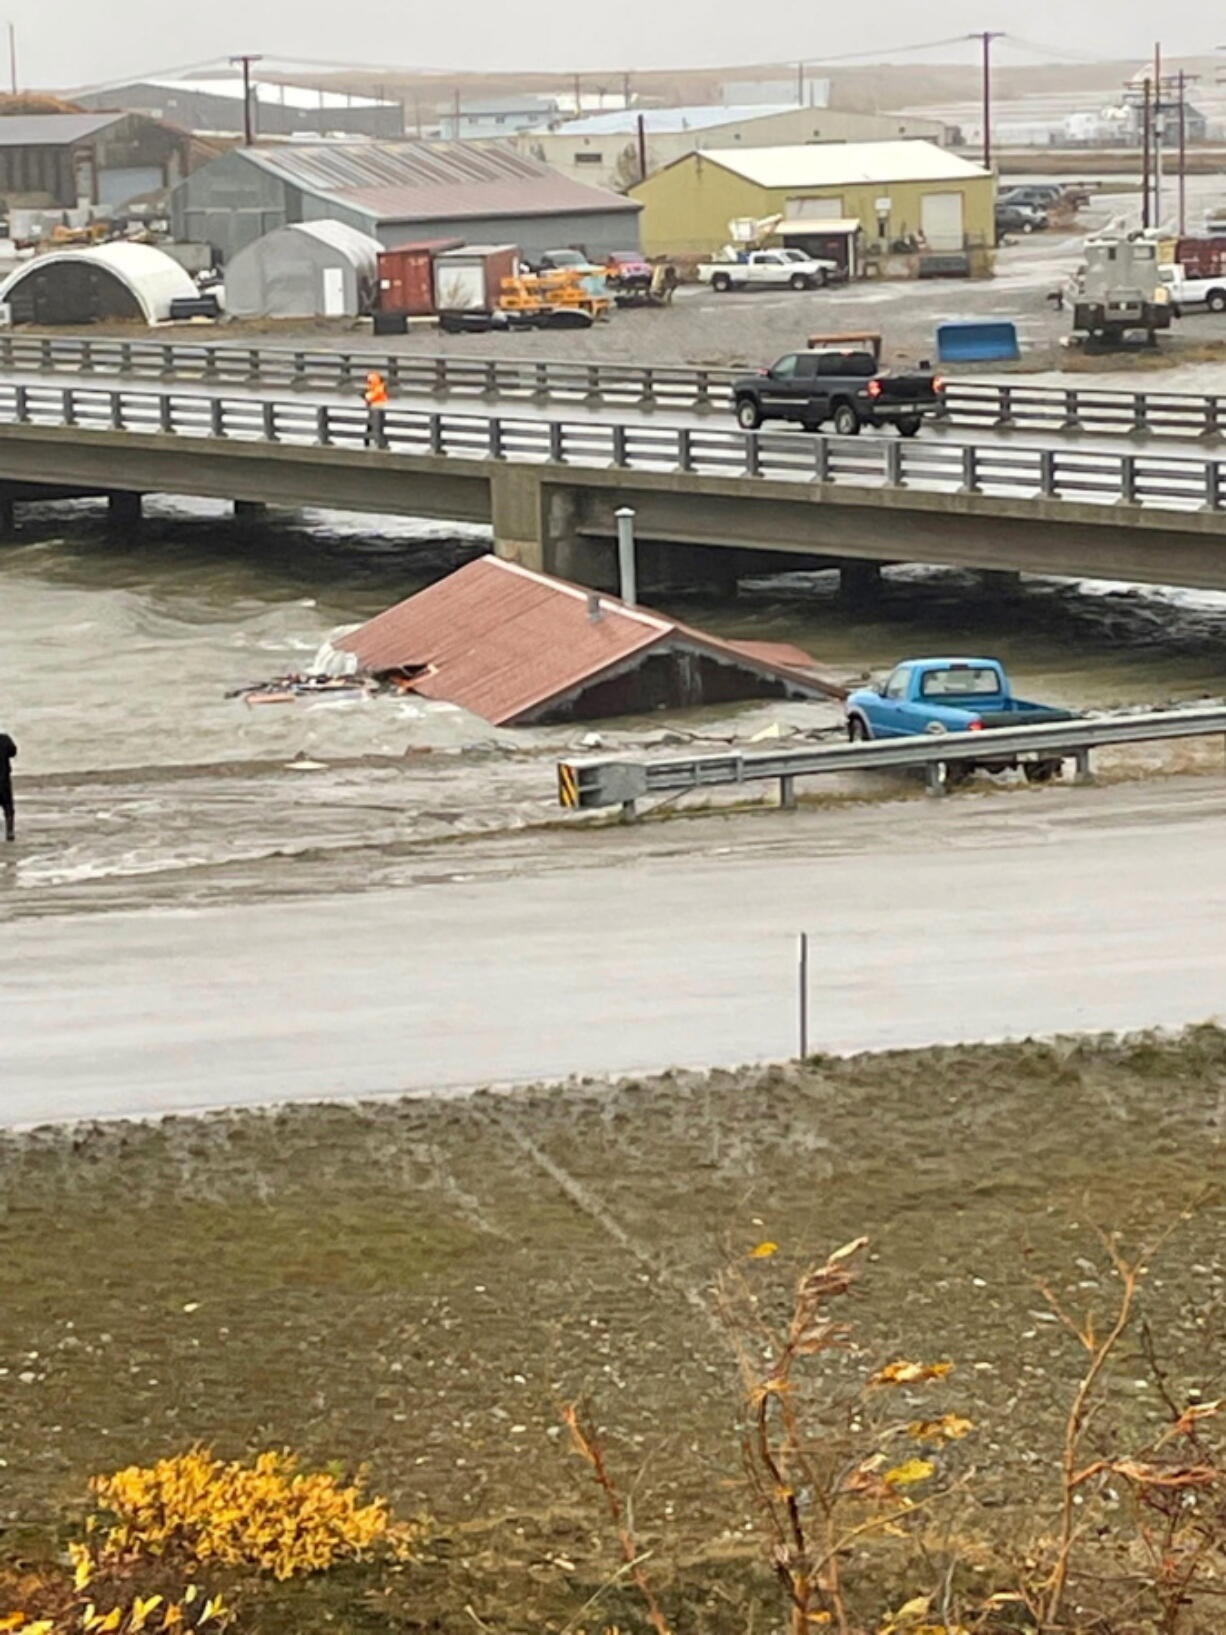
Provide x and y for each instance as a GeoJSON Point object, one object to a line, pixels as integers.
{"type": "Point", "coordinates": [859, 583]}
{"type": "Point", "coordinates": [125, 508]}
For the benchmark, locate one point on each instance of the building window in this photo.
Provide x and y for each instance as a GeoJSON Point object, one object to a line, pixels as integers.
{"type": "Point", "coordinates": [587, 157]}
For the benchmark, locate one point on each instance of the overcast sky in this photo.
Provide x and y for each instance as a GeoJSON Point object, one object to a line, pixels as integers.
{"type": "Point", "coordinates": [75, 42]}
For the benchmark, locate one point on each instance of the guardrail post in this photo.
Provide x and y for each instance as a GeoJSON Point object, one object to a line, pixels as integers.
{"type": "Point", "coordinates": [1081, 766]}
{"type": "Point", "coordinates": [125, 357]}
{"type": "Point", "coordinates": [647, 396]}
{"type": "Point", "coordinates": [68, 406]}
{"type": "Point", "coordinates": [495, 439]}
{"type": "Point", "coordinates": [593, 383]}
{"type": "Point", "coordinates": [490, 380]}
{"type": "Point", "coordinates": [46, 358]}
{"type": "Point", "coordinates": [117, 411]}
{"type": "Point", "coordinates": [1140, 412]}
{"type": "Point", "coordinates": [557, 442]}
{"type": "Point", "coordinates": [702, 390]}
{"type": "Point", "coordinates": [1213, 485]}
{"type": "Point", "coordinates": [753, 454]}
{"type": "Point", "coordinates": [1072, 410]}
{"type": "Point", "coordinates": [970, 469]}
{"type": "Point", "coordinates": [1213, 417]}
{"type": "Point", "coordinates": [299, 367]}
{"type": "Point", "coordinates": [268, 416]}
{"type": "Point", "coordinates": [787, 793]}
{"type": "Point", "coordinates": [821, 459]}
{"type": "Point", "coordinates": [1004, 405]}
{"type": "Point", "coordinates": [323, 425]}
{"type": "Point", "coordinates": [619, 445]}
{"type": "Point", "coordinates": [630, 811]}
{"type": "Point", "coordinates": [210, 363]}
{"type": "Point", "coordinates": [166, 420]}
{"type": "Point", "coordinates": [1047, 473]}
{"type": "Point", "coordinates": [893, 464]}
{"type": "Point", "coordinates": [540, 379]}
{"type": "Point", "coordinates": [1128, 479]}
{"type": "Point", "coordinates": [168, 360]}
{"type": "Point", "coordinates": [934, 778]}
{"type": "Point", "coordinates": [392, 370]}
{"type": "Point", "coordinates": [217, 417]}
{"type": "Point", "coordinates": [21, 403]}
{"type": "Point", "coordinates": [345, 368]}
{"type": "Point", "coordinates": [439, 387]}
{"type": "Point", "coordinates": [436, 434]}
{"type": "Point", "coordinates": [685, 449]}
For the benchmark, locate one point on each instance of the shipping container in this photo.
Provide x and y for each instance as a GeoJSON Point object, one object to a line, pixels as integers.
{"type": "Point", "coordinates": [1202, 257]}
{"type": "Point", "coordinates": [470, 280]}
{"type": "Point", "coordinates": [406, 276]}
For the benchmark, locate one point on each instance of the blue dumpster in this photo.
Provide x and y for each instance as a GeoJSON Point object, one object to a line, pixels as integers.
{"type": "Point", "coordinates": [977, 340]}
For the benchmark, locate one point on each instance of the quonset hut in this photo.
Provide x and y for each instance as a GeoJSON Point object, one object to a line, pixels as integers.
{"type": "Point", "coordinates": [307, 269]}
{"type": "Point", "coordinates": [99, 281]}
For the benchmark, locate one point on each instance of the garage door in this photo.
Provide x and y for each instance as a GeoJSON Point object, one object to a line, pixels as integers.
{"type": "Point", "coordinates": [119, 185]}
{"type": "Point", "coordinates": [941, 220]}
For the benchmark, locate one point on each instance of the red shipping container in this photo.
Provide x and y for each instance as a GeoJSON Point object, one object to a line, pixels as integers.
{"type": "Point", "coordinates": [406, 276]}
{"type": "Point", "coordinates": [1203, 257]}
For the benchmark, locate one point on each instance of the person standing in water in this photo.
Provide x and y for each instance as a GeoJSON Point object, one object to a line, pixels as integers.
{"type": "Point", "coordinates": [8, 754]}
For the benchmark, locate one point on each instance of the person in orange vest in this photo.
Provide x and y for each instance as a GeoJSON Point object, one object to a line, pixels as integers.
{"type": "Point", "coordinates": [376, 403]}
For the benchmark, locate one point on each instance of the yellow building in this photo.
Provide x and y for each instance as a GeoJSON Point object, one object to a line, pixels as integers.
{"type": "Point", "coordinates": [897, 191]}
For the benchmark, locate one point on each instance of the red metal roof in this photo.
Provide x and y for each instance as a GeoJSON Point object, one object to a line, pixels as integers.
{"type": "Point", "coordinates": [504, 642]}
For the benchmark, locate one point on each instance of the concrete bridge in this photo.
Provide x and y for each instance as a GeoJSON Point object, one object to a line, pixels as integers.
{"type": "Point", "coordinates": [549, 485]}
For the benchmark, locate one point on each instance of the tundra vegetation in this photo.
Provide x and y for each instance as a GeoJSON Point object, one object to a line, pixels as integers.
{"type": "Point", "coordinates": [575, 1359]}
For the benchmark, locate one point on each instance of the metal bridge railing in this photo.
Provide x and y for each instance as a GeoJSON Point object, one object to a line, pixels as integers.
{"type": "Point", "coordinates": [598, 782]}
{"type": "Point", "coordinates": [1006, 404]}
{"type": "Point", "coordinates": [1162, 480]}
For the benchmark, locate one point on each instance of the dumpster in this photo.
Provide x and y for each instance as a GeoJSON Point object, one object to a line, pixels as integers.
{"type": "Point", "coordinates": [977, 340]}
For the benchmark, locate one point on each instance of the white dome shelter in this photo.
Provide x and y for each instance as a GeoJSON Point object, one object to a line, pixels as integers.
{"type": "Point", "coordinates": [97, 281]}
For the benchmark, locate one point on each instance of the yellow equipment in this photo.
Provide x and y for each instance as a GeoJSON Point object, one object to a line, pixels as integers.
{"type": "Point", "coordinates": [564, 289]}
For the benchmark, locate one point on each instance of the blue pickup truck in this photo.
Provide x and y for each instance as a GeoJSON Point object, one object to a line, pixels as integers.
{"type": "Point", "coordinates": [951, 695]}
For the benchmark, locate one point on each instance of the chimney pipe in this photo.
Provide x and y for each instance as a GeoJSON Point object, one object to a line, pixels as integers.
{"type": "Point", "coordinates": [595, 613]}
{"type": "Point", "coordinates": [625, 556]}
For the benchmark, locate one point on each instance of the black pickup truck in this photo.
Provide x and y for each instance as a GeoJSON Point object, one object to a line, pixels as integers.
{"type": "Point", "coordinates": [848, 389]}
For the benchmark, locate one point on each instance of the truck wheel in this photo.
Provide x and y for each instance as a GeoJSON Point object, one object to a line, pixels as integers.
{"type": "Point", "coordinates": [857, 730]}
{"type": "Point", "coordinates": [909, 425]}
{"type": "Point", "coordinates": [721, 283]}
{"type": "Point", "coordinates": [748, 415]}
{"type": "Point", "coordinates": [798, 281]}
{"type": "Point", "coordinates": [846, 421]}
{"type": "Point", "coordinates": [1216, 300]}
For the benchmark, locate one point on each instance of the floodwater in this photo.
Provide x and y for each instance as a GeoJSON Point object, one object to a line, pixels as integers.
{"type": "Point", "coordinates": [140, 782]}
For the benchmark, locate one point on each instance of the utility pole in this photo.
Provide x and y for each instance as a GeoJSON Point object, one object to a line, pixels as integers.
{"type": "Point", "coordinates": [1159, 122]}
{"type": "Point", "coordinates": [13, 58]}
{"type": "Point", "coordinates": [248, 111]}
{"type": "Point", "coordinates": [1146, 120]}
{"type": "Point", "coordinates": [986, 37]}
{"type": "Point", "coordinates": [626, 97]}
{"type": "Point", "coordinates": [800, 84]}
{"type": "Point", "coordinates": [578, 97]}
{"type": "Point", "coordinates": [455, 114]}
{"type": "Point", "coordinates": [1183, 152]}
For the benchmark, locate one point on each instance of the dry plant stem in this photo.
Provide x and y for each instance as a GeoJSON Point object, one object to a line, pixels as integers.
{"type": "Point", "coordinates": [587, 1445]}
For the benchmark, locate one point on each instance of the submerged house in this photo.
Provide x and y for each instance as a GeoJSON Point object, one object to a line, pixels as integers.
{"type": "Point", "coordinates": [518, 647]}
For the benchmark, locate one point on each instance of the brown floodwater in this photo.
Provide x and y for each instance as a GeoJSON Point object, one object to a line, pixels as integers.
{"type": "Point", "coordinates": [140, 781]}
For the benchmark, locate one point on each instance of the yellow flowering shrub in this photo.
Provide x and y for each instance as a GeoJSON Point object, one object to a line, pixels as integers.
{"type": "Point", "coordinates": [269, 1515]}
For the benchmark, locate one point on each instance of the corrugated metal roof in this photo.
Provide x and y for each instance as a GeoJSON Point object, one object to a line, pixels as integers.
{"type": "Point", "coordinates": [504, 642]}
{"type": "Point", "coordinates": [844, 164]}
{"type": "Point", "coordinates": [52, 130]}
{"type": "Point", "coordinates": [668, 121]}
{"type": "Point", "coordinates": [427, 181]}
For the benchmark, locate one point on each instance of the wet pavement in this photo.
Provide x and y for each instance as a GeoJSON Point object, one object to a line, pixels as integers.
{"type": "Point", "coordinates": [1065, 910]}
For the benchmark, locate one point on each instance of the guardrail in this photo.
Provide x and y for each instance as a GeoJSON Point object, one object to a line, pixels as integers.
{"type": "Point", "coordinates": [601, 782]}
{"type": "Point", "coordinates": [997, 405]}
{"type": "Point", "coordinates": [1172, 482]}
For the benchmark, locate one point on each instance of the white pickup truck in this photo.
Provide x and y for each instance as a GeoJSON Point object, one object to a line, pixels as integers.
{"type": "Point", "coordinates": [766, 269]}
{"type": "Point", "coordinates": [1193, 292]}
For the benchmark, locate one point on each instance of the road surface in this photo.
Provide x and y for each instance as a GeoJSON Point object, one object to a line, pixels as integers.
{"type": "Point", "coordinates": [621, 952]}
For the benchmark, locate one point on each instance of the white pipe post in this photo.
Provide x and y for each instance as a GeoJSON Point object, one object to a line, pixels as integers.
{"type": "Point", "coordinates": [626, 567]}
